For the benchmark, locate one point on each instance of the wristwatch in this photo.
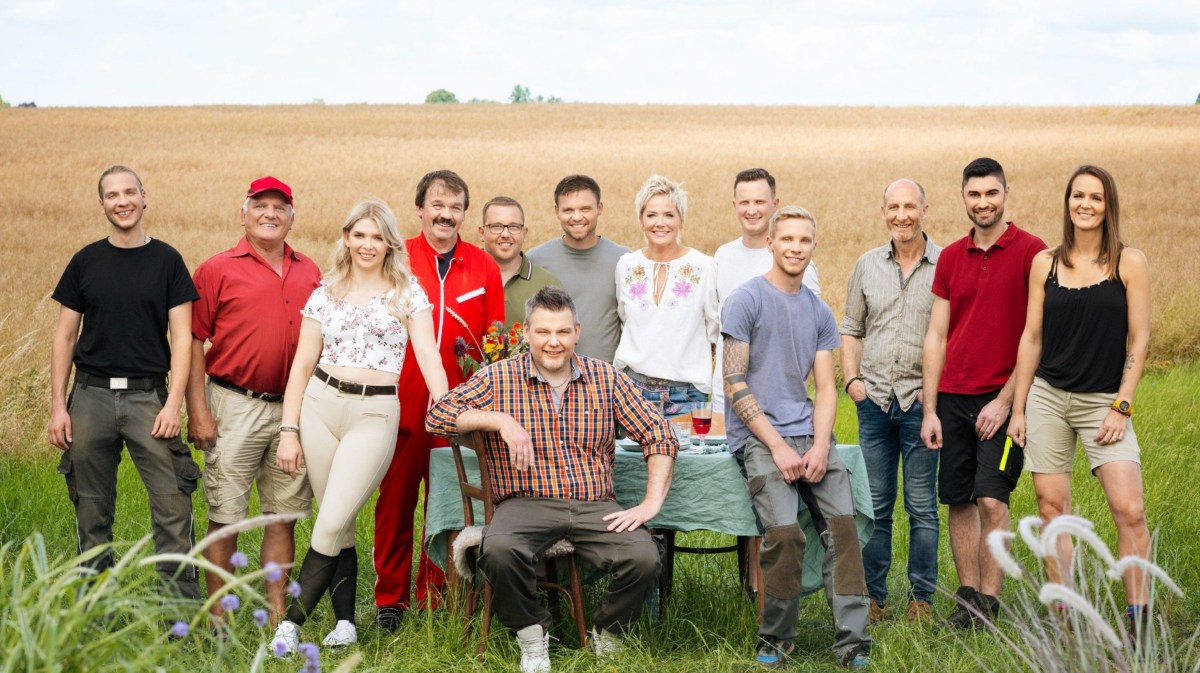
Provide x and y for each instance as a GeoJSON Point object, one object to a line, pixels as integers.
{"type": "Point", "coordinates": [1123, 407]}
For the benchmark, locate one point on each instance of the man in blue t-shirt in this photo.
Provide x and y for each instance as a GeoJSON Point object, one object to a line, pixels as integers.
{"type": "Point", "coordinates": [120, 298]}
{"type": "Point", "coordinates": [776, 333]}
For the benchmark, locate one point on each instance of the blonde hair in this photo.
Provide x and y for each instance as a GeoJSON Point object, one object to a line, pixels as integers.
{"type": "Point", "coordinates": [657, 185]}
{"type": "Point", "coordinates": [395, 260]}
{"type": "Point", "coordinates": [790, 213]}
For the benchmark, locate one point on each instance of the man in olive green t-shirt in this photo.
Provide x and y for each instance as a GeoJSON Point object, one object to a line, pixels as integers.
{"type": "Point", "coordinates": [503, 235]}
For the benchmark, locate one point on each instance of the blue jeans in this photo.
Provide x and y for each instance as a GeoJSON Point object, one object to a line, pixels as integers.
{"type": "Point", "coordinates": [888, 437]}
{"type": "Point", "coordinates": [677, 397]}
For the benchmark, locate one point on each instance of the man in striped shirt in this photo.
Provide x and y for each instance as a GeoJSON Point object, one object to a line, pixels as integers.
{"type": "Point", "coordinates": [548, 421]}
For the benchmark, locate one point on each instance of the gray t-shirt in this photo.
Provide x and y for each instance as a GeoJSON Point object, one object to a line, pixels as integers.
{"type": "Point", "coordinates": [784, 331]}
{"type": "Point", "coordinates": [589, 276]}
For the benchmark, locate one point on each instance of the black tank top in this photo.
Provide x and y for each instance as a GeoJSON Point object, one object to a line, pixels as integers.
{"type": "Point", "coordinates": [1084, 334]}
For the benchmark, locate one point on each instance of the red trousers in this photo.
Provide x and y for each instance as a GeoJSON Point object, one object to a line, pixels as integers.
{"type": "Point", "coordinates": [397, 503]}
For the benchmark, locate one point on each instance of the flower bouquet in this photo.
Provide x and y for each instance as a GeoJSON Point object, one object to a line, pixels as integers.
{"type": "Point", "coordinates": [497, 345]}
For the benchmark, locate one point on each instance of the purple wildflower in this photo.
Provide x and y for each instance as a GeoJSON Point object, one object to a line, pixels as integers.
{"type": "Point", "coordinates": [260, 617]}
{"type": "Point", "coordinates": [313, 656]}
{"type": "Point", "coordinates": [280, 647]}
{"type": "Point", "coordinates": [231, 602]}
{"type": "Point", "coordinates": [293, 589]}
{"type": "Point", "coordinates": [180, 630]}
{"type": "Point", "coordinates": [274, 572]}
{"type": "Point", "coordinates": [238, 560]}
{"type": "Point", "coordinates": [460, 347]}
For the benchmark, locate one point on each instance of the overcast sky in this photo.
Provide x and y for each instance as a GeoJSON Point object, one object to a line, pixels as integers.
{"type": "Point", "coordinates": [1016, 52]}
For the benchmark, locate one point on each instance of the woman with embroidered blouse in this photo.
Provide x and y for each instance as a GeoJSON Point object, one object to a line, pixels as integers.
{"type": "Point", "coordinates": [1087, 333]}
{"type": "Point", "coordinates": [340, 409]}
{"type": "Point", "coordinates": [667, 302]}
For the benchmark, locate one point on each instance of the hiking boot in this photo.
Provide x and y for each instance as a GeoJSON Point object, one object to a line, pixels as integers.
{"type": "Point", "coordinates": [962, 617]}
{"type": "Point", "coordinates": [773, 653]}
{"type": "Point", "coordinates": [389, 617]}
{"type": "Point", "coordinates": [857, 661]}
{"type": "Point", "coordinates": [878, 612]}
{"type": "Point", "coordinates": [605, 644]}
{"type": "Point", "coordinates": [989, 608]}
{"type": "Point", "coordinates": [919, 611]}
{"type": "Point", "coordinates": [535, 649]}
{"type": "Point", "coordinates": [343, 634]}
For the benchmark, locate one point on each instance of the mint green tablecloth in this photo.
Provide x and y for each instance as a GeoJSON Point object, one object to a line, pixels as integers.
{"type": "Point", "coordinates": [707, 493]}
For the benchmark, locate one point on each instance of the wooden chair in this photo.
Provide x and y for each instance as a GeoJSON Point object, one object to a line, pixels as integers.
{"type": "Point", "coordinates": [469, 541]}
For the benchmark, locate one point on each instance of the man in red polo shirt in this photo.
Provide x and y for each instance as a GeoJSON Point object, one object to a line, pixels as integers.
{"type": "Point", "coordinates": [980, 289]}
{"type": "Point", "coordinates": [249, 310]}
{"type": "Point", "coordinates": [463, 283]}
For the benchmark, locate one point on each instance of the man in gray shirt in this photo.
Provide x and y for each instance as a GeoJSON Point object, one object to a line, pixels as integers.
{"type": "Point", "coordinates": [888, 304]}
{"type": "Point", "coordinates": [586, 264]}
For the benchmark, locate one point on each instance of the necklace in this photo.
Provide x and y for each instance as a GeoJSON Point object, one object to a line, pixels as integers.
{"type": "Point", "coordinates": [554, 386]}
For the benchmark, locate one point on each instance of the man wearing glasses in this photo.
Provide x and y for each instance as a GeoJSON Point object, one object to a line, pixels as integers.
{"type": "Point", "coordinates": [503, 235]}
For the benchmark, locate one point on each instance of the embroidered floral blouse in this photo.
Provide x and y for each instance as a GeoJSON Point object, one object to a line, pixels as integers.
{"type": "Point", "coordinates": [366, 336]}
{"type": "Point", "coordinates": [672, 339]}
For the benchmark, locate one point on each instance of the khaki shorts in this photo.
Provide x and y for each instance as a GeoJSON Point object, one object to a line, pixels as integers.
{"type": "Point", "coordinates": [247, 440]}
{"type": "Point", "coordinates": [1054, 418]}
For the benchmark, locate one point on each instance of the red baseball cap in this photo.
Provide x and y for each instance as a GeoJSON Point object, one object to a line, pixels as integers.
{"type": "Point", "coordinates": [270, 184]}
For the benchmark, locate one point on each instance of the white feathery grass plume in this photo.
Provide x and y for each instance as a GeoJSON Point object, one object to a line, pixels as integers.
{"type": "Point", "coordinates": [1081, 529]}
{"type": "Point", "coordinates": [997, 542]}
{"type": "Point", "coordinates": [1118, 569]}
{"type": "Point", "coordinates": [1052, 593]}
{"type": "Point", "coordinates": [261, 521]}
{"type": "Point", "coordinates": [1028, 528]}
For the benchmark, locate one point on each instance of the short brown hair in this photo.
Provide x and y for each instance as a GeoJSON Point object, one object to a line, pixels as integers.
{"type": "Point", "coordinates": [450, 181]}
{"type": "Point", "coordinates": [576, 183]}
{"type": "Point", "coordinates": [117, 168]}
{"type": "Point", "coordinates": [501, 201]}
{"type": "Point", "coordinates": [755, 174]}
{"type": "Point", "coordinates": [551, 299]}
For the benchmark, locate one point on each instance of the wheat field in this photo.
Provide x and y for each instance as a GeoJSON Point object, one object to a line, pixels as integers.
{"type": "Point", "coordinates": [197, 162]}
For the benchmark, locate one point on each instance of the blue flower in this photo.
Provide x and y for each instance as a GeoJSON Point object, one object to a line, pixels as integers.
{"type": "Point", "coordinates": [260, 617]}
{"type": "Point", "coordinates": [179, 630]}
{"type": "Point", "coordinates": [293, 589]}
{"type": "Point", "coordinates": [280, 647]}
{"type": "Point", "coordinates": [274, 572]}
{"type": "Point", "coordinates": [230, 602]}
{"type": "Point", "coordinates": [238, 560]}
{"type": "Point", "coordinates": [312, 654]}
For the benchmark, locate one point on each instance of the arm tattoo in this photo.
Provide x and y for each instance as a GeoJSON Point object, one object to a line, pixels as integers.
{"type": "Point", "coordinates": [745, 406]}
{"type": "Point", "coordinates": [1129, 361]}
{"type": "Point", "coordinates": [736, 360]}
{"type": "Point", "coordinates": [736, 363]}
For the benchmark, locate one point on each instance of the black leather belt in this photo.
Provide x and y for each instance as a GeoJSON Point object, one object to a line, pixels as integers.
{"type": "Point", "coordinates": [353, 388]}
{"type": "Point", "coordinates": [265, 397]}
{"type": "Point", "coordinates": [119, 383]}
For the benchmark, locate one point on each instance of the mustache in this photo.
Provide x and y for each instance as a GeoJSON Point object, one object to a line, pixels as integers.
{"type": "Point", "coordinates": [444, 220]}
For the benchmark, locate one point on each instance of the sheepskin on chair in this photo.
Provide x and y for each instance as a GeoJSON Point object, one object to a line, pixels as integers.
{"type": "Point", "coordinates": [472, 536]}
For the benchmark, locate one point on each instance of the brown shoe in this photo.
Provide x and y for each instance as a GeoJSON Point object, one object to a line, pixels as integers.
{"type": "Point", "coordinates": [919, 611]}
{"type": "Point", "coordinates": [878, 612]}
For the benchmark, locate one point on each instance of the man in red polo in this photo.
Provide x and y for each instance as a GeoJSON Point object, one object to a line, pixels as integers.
{"type": "Point", "coordinates": [463, 283]}
{"type": "Point", "coordinates": [249, 311]}
{"type": "Point", "coordinates": [980, 289]}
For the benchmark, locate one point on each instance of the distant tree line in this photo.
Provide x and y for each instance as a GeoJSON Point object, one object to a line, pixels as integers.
{"type": "Point", "coordinates": [4, 103]}
{"type": "Point", "coordinates": [520, 94]}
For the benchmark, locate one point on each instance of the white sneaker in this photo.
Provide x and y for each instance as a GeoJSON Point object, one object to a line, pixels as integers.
{"type": "Point", "coordinates": [342, 634]}
{"type": "Point", "coordinates": [286, 640]}
{"type": "Point", "coordinates": [605, 644]}
{"type": "Point", "coordinates": [535, 649]}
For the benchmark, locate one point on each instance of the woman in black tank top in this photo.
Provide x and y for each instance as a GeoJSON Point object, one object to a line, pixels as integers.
{"type": "Point", "coordinates": [1086, 336]}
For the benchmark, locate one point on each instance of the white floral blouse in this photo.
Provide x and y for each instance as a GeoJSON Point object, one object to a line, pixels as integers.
{"type": "Point", "coordinates": [365, 336]}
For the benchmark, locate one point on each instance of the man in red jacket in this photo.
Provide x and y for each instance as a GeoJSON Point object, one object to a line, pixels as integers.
{"type": "Point", "coordinates": [463, 283]}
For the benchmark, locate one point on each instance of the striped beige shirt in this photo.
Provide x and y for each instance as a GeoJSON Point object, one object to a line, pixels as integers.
{"type": "Point", "coordinates": [890, 314]}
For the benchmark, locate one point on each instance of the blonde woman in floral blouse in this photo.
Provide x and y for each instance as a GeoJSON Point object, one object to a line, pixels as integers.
{"type": "Point", "coordinates": [340, 409]}
{"type": "Point", "coordinates": [667, 301]}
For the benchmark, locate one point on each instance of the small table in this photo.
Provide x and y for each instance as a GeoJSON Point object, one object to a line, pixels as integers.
{"type": "Point", "coordinates": [707, 493]}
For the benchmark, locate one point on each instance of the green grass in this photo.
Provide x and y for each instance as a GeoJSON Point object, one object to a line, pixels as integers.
{"type": "Point", "coordinates": [709, 626]}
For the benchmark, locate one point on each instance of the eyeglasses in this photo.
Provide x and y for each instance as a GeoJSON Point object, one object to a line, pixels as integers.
{"type": "Point", "coordinates": [497, 229]}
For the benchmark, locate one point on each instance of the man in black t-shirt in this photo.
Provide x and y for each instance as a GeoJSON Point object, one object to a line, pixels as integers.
{"type": "Point", "coordinates": [128, 292]}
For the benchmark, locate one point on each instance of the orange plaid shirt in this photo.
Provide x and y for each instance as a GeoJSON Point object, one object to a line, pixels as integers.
{"type": "Point", "coordinates": [573, 445]}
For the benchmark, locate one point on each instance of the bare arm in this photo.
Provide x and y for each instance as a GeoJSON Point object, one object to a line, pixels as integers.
{"type": "Point", "coordinates": [1029, 353]}
{"type": "Point", "coordinates": [179, 326]}
{"type": "Point", "coordinates": [201, 427]}
{"type": "Point", "coordinates": [816, 459]}
{"type": "Point", "coordinates": [290, 455]}
{"type": "Point", "coordinates": [62, 349]}
{"type": "Point", "coordinates": [420, 332]}
{"type": "Point", "coordinates": [933, 362]}
{"type": "Point", "coordinates": [852, 348]}
{"type": "Point", "coordinates": [736, 362]}
{"type": "Point", "coordinates": [1135, 274]}
{"type": "Point", "coordinates": [659, 469]}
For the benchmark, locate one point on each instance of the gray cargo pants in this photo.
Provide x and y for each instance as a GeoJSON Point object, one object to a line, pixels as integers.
{"type": "Point", "coordinates": [831, 504]}
{"type": "Point", "coordinates": [101, 421]}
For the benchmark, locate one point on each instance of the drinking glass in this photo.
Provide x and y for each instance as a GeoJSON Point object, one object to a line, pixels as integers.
{"type": "Point", "coordinates": [702, 419]}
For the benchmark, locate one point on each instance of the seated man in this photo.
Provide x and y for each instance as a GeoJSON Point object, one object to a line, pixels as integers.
{"type": "Point", "coordinates": [547, 419]}
{"type": "Point", "coordinates": [776, 333]}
